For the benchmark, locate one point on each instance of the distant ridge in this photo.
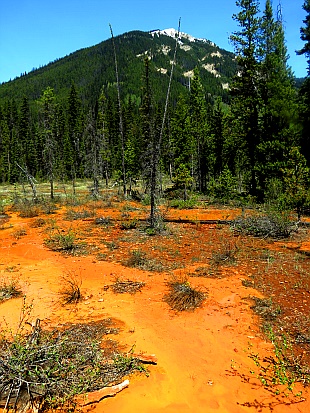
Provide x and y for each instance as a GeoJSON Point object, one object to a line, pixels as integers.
{"type": "Point", "coordinates": [93, 68]}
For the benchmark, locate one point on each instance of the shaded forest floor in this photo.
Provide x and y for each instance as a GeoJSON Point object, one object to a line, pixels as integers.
{"type": "Point", "coordinates": [216, 357]}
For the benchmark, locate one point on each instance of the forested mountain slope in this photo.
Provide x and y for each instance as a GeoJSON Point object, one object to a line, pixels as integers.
{"type": "Point", "coordinates": [92, 68]}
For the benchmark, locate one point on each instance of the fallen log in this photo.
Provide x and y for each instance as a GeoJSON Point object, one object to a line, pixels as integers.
{"type": "Point", "coordinates": [96, 396]}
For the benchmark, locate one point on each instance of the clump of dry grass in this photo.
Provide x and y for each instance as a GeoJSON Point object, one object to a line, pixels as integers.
{"type": "Point", "coordinates": [70, 292]}
{"type": "Point", "coordinates": [9, 289]}
{"type": "Point", "coordinates": [225, 255]}
{"type": "Point", "coordinates": [19, 232]}
{"type": "Point", "coordinates": [127, 286]}
{"type": "Point", "coordinates": [182, 296]}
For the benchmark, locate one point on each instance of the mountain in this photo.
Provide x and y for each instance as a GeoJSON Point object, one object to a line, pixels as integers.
{"type": "Point", "coordinates": [93, 67]}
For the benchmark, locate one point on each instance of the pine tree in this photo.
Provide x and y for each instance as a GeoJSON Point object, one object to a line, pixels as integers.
{"type": "Point", "coordinates": [48, 104]}
{"type": "Point", "coordinates": [180, 147]}
{"type": "Point", "coordinates": [279, 105]}
{"type": "Point", "coordinates": [199, 132]}
{"type": "Point", "coordinates": [246, 103]}
{"type": "Point", "coordinates": [26, 139]}
{"type": "Point", "coordinates": [72, 155]}
{"type": "Point", "coordinates": [305, 90]}
{"type": "Point", "coordinates": [4, 148]}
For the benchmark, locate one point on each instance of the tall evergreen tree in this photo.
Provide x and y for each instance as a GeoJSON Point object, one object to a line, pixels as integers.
{"type": "Point", "coordinates": [278, 96]}
{"type": "Point", "coordinates": [48, 104]}
{"type": "Point", "coordinates": [245, 88]}
{"type": "Point", "coordinates": [26, 139]}
{"type": "Point", "coordinates": [72, 145]}
{"type": "Point", "coordinates": [305, 90]}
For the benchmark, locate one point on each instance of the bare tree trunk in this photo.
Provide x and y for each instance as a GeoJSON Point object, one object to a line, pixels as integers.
{"type": "Point", "coordinates": [121, 128]}
{"type": "Point", "coordinates": [31, 181]}
{"type": "Point", "coordinates": [157, 148]}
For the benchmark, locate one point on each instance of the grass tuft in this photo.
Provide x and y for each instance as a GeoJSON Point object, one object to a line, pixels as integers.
{"type": "Point", "coordinates": [182, 296]}
{"type": "Point", "coordinates": [70, 293]}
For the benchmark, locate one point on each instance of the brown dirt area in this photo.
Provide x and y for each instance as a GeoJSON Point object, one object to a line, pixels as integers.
{"type": "Point", "coordinates": [203, 362]}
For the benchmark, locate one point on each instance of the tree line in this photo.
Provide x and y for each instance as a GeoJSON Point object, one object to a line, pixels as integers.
{"type": "Point", "coordinates": [256, 146]}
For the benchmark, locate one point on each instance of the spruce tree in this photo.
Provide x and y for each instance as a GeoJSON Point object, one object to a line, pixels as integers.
{"type": "Point", "coordinates": [305, 89]}
{"type": "Point", "coordinates": [278, 96]}
{"type": "Point", "coordinates": [246, 102]}
{"type": "Point", "coordinates": [48, 108]}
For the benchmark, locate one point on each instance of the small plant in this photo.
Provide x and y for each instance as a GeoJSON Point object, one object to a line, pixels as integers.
{"type": "Point", "coordinates": [70, 292]}
{"type": "Point", "coordinates": [127, 286]}
{"type": "Point", "coordinates": [136, 258]}
{"type": "Point", "coordinates": [225, 255]}
{"type": "Point", "coordinates": [282, 369]}
{"type": "Point", "coordinates": [26, 208]}
{"type": "Point", "coordinates": [128, 224]}
{"type": "Point", "coordinates": [38, 223]}
{"type": "Point", "coordinates": [9, 289]}
{"type": "Point", "coordinates": [189, 203]}
{"type": "Point", "coordinates": [20, 232]}
{"type": "Point", "coordinates": [265, 308]}
{"type": "Point", "coordinates": [182, 297]}
{"type": "Point", "coordinates": [61, 241]}
{"type": "Point", "coordinates": [73, 215]}
{"type": "Point", "coordinates": [105, 221]}
{"type": "Point", "coordinates": [111, 245]}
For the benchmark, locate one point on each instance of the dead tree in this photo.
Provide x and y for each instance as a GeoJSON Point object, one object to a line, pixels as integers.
{"type": "Point", "coordinates": [32, 181]}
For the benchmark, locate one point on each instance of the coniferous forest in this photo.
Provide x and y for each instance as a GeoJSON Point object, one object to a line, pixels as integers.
{"type": "Point", "coordinates": [236, 125]}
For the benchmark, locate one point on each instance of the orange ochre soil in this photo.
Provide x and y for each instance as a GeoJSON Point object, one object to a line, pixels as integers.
{"type": "Point", "coordinates": [203, 362]}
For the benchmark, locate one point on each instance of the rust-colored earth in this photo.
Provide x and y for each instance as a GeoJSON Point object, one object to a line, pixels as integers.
{"type": "Point", "coordinates": [203, 362]}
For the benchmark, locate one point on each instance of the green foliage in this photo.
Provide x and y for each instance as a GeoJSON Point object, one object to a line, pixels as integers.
{"type": "Point", "coordinates": [61, 241]}
{"type": "Point", "coordinates": [224, 187]}
{"type": "Point", "coordinates": [274, 224]}
{"type": "Point", "coordinates": [296, 177]}
{"type": "Point", "coordinates": [282, 369]}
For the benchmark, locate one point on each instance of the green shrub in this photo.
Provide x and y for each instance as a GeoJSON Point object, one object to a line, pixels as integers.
{"type": "Point", "coordinates": [60, 241]}
{"type": "Point", "coordinates": [275, 225]}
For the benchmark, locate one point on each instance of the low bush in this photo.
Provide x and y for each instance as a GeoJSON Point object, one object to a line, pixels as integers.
{"type": "Point", "coordinates": [61, 241]}
{"type": "Point", "coordinates": [128, 224]}
{"type": "Point", "coordinates": [138, 259]}
{"type": "Point", "coordinates": [271, 225]}
{"type": "Point", "coordinates": [26, 208]}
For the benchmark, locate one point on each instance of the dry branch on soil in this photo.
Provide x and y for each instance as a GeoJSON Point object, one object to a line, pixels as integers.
{"type": "Point", "coordinates": [127, 286]}
{"type": "Point", "coordinates": [47, 369]}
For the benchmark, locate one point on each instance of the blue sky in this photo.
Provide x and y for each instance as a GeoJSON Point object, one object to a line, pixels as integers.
{"type": "Point", "coordinates": [36, 32]}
